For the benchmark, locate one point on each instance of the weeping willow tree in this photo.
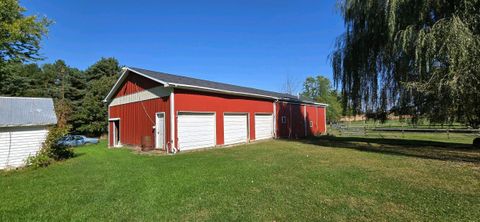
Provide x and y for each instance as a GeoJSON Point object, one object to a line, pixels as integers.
{"type": "Point", "coordinates": [421, 57]}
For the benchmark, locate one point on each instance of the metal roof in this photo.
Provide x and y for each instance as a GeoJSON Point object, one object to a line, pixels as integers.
{"type": "Point", "coordinates": [176, 79]}
{"type": "Point", "coordinates": [179, 81]}
{"type": "Point", "coordinates": [24, 111]}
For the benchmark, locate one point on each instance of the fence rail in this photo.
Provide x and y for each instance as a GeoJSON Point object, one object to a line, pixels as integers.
{"type": "Point", "coordinates": [365, 130]}
{"type": "Point", "coordinates": [427, 130]}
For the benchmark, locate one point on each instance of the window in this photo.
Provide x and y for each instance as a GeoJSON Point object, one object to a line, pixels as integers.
{"type": "Point", "coordinates": [311, 124]}
{"type": "Point", "coordinates": [284, 119]}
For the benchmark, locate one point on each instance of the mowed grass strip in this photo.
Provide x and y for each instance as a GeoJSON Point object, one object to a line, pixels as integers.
{"type": "Point", "coordinates": [272, 180]}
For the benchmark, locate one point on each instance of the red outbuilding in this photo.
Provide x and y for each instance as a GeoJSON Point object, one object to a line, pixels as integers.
{"type": "Point", "coordinates": [177, 113]}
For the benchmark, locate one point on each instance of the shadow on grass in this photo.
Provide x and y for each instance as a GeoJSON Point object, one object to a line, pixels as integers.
{"type": "Point", "coordinates": [403, 147]}
{"type": "Point", "coordinates": [77, 154]}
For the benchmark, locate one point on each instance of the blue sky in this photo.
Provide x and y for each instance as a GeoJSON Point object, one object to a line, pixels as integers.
{"type": "Point", "coordinates": [255, 43]}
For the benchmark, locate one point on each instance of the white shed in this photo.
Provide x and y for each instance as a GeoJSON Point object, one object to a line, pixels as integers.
{"type": "Point", "coordinates": [24, 126]}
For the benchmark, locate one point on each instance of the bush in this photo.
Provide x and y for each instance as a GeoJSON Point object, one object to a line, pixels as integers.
{"type": "Point", "coordinates": [56, 151]}
{"type": "Point", "coordinates": [51, 150]}
{"type": "Point", "coordinates": [476, 142]}
{"type": "Point", "coordinates": [40, 160]}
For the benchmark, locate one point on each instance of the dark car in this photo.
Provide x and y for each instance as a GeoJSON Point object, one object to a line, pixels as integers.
{"type": "Point", "coordinates": [76, 140]}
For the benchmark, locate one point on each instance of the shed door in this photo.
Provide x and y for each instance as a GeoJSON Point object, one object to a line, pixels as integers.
{"type": "Point", "coordinates": [263, 126]}
{"type": "Point", "coordinates": [196, 130]}
{"type": "Point", "coordinates": [235, 128]}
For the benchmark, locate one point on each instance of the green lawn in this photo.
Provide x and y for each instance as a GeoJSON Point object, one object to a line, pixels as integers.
{"type": "Point", "coordinates": [396, 123]}
{"type": "Point", "coordinates": [327, 178]}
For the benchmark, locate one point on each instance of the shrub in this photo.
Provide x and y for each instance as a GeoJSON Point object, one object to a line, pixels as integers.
{"type": "Point", "coordinates": [40, 160]}
{"type": "Point", "coordinates": [476, 142]}
{"type": "Point", "coordinates": [54, 150]}
{"type": "Point", "coordinates": [51, 150]}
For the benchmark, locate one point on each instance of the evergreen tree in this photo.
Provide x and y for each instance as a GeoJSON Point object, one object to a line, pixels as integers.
{"type": "Point", "coordinates": [92, 116]}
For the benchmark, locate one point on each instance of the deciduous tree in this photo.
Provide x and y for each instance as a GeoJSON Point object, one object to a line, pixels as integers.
{"type": "Point", "coordinates": [320, 89]}
{"type": "Point", "coordinates": [419, 56]}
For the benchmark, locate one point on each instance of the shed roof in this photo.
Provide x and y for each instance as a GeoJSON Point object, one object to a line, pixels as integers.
{"type": "Point", "coordinates": [178, 81]}
{"type": "Point", "coordinates": [24, 111]}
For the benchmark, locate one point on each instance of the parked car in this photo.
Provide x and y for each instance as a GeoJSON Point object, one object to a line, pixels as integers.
{"type": "Point", "coordinates": [76, 140]}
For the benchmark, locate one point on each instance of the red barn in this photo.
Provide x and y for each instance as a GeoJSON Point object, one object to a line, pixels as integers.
{"type": "Point", "coordinates": [180, 113]}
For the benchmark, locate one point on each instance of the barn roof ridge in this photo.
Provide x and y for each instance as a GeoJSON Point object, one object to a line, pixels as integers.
{"type": "Point", "coordinates": [181, 81]}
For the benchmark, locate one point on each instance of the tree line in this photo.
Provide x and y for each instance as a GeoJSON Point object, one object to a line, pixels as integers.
{"type": "Point", "coordinates": [81, 91]}
{"type": "Point", "coordinates": [77, 94]}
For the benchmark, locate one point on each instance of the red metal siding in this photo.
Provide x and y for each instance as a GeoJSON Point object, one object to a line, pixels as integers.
{"type": "Point", "coordinates": [296, 118]}
{"type": "Point", "coordinates": [315, 114]}
{"type": "Point", "coordinates": [138, 119]}
{"type": "Point", "coordinates": [294, 126]}
{"type": "Point", "coordinates": [186, 100]}
{"type": "Point", "coordinates": [322, 119]}
{"type": "Point", "coordinates": [135, 83]}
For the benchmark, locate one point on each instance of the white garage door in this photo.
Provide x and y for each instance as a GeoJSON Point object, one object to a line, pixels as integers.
{"type": "Point", "coordinates": [18, 143]}
{"type": "Point", "coordinates": [263, 126]}
{"type": "Point", "coordinates": [235, 128]}
{"type": "Point", "coordinates": [196, 130]}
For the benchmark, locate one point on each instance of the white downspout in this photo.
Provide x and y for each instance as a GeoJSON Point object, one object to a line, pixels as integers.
{"type": "Point", "coordinates": [172, 122]}
{"type": "Point", "coordinates": [316, 119]}
{"type": "Point", "coordinates": [108, 126]}
{"type": "Point", "coordinates": [325, 112]}
{"type": "Point", "coordinates": [275, 118]}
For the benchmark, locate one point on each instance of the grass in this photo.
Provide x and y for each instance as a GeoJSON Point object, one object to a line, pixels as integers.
{"type": "Point", "coordinates": [325, 178]}
{"type": "Point", "coordinates": [458, 138]}
{"type": "Point", "coordinates": [396, 123]}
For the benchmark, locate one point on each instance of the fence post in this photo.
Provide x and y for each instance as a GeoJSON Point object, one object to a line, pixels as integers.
{"type": "Point", "coordinates": [365, 128]}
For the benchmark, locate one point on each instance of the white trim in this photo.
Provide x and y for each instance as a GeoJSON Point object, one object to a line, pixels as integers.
{"type": "Point", "coordinates": [164, 130]}
{"type": "Point", "coordinates": [25, 125]}
{"type": "Point", "coordinates": [165, 84]}
{"type": "Point", "coordinates": [306, 103]}
{"type": "Point", "coordinates": [274, 119]}
{"type": "Point", "coordinates": [172, 122]}
{"type": "Point", "coordinates": [113, 120]}
{"type": "Point", "coordinates": [123, 76]}
{"type": "Point", "coordinates": [147, 94]}
{"type": "Point", "coordinates": [117, 84]}
{"type": "Point", "coordinates": [25, 97]}
{"type": "Point", "coordinates": [108, 126]}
